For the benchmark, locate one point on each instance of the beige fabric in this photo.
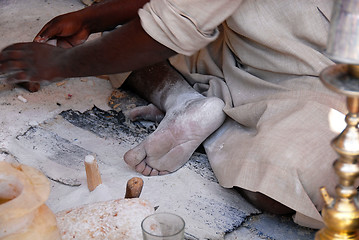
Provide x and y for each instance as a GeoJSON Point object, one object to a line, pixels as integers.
{"type": "Point", "coordinates": [194, 22]}
{"type": "Point", "coordinates": [263, 61]}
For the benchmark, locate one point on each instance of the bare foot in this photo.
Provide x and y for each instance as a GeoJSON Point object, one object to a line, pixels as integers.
{"type": "Point", "coordinates": [178, 135]}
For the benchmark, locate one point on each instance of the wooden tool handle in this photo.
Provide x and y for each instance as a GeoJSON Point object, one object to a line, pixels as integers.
{"type": "Point", "coordinates": [92, 173]}
{"type": "Point", "coordinates": [134, 187]}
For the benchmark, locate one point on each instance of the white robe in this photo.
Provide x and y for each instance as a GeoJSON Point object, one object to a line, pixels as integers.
{"type": "Point", "coordinates": [263, 58]}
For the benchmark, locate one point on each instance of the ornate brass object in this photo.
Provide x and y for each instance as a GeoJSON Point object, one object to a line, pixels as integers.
{"type": "Point", "coordinates": [341, 213]}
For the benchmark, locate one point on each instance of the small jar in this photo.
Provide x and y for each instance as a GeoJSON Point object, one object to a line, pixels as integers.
{"type": "Point", "coordinates": [23, 212]}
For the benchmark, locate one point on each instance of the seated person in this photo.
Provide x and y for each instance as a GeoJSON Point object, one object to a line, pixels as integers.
{"type": "Point", "coordinates": [241, 78]}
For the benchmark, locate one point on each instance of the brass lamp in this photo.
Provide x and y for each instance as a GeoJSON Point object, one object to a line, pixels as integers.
{"type": "Point", "coordinates": [341, 214]}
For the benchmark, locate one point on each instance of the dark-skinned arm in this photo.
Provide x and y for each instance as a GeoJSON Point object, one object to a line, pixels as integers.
{"type": "Point", "coordinates": [124, 49]}
{"type": "Point", "coordinates": [108, 14]}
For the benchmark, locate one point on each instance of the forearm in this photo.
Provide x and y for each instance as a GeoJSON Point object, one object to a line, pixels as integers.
{"type": "Point", "coordinates": [108, 14]}
{"type": "Point", "coordinates": [125, 49]}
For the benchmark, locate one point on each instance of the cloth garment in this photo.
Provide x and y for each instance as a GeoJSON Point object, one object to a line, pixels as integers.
{"type": "Point", "coordinates": [263, 58]}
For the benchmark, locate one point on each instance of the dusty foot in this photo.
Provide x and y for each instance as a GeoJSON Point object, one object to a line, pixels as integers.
{"type": "Point", "coordinates": [178, 135]}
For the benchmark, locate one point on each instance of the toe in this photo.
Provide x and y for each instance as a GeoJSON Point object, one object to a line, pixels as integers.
{"type": "Point", "coordinates": [147, 170]}
{"type": "Point", "coordinates": [140, 167]}
{"type": "Point", "coordinates": [154, 172]}
{"type": "Point", "coordinates": [135, 156]}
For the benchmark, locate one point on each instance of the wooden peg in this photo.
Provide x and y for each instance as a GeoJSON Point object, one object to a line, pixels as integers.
{"type": "Point", "coordinates": [92, 173]}
{"type": "Point", "coordinates": [134, 187]}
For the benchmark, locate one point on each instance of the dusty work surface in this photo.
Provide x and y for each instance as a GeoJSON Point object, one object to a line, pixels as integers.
{"type": "Point", "coordinates": [58, 148]}
{"type": "Point", "coordinates": [55, 128]}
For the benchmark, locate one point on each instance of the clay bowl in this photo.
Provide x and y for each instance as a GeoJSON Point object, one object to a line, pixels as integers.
{"type": "Point", "coordinates": [23, 213]}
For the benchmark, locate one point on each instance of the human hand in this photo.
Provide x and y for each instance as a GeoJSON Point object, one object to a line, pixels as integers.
{"type": "Point", "coordinates": [68, 29]}
{"type": "Point", "coordinates": [32, 62]}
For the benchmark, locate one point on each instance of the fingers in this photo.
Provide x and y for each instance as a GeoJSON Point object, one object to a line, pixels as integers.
{"type": "Point", "coordinates": [59, 42]}
{"type": "Point", "coordinates": [15, 77]}
{"type": "Point", "coordinates": [64, 42]}
{"type": "Point", "coordinates": [10, 48]}
{"type": "Point", "coordinates": [35, 62]}
{"type": "Point", "coordinates": [13, 65]}
{"type": "Point", "coordinates": [66, 29]}
{"type": "Point", "coordinates": [18, 77]}
{"type": "Point", "coordinates": [11, 55]}
{"type": "Point", "coordinates": [12, 68]}
{"type": "Point", "coordinates": [45, 34]}
{"type": "Point", "coordinates": [41, 39]}
{"type": "Point", "coordinates": [50, 30]}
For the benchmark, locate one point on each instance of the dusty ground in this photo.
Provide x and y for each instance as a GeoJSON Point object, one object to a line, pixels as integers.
{"type": "Point", "coordinates": [40, 132]}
